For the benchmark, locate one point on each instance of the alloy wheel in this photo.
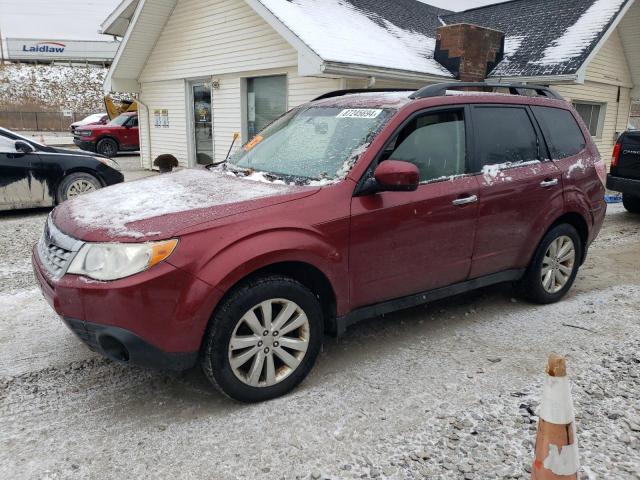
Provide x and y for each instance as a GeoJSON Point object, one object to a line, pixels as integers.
{"type": "Point", "coordinates": [558, 264]}
{"type": "Point", "coordinates": [80, 187]}
{"type": "Point", "coordinates": [269, 342]}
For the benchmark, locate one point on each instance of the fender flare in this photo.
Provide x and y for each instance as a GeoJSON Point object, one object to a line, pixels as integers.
{"type": "Point", "coordinates": [265, 249]}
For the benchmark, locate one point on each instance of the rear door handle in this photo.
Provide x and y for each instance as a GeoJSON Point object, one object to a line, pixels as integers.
{"type": "Point", "coordinates": [549, 183]}
{"type": "Point", "coordinates": [465, 200]}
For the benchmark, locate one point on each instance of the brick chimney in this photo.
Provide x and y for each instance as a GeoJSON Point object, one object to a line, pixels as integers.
{"type": "Point", "coordinates": [468, 51]}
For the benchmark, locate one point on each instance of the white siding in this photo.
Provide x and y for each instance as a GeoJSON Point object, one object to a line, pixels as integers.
{"type": "Point", "coordinates": [215, 37]}
{"type": "Point", "coordinates": [630, 34]}
{"type": "Point", "coordinates": [305, 89]}
{"type": "Point", "coordinates": [169, 95]}
{"type": "Point", "coordinates": [607, 73]}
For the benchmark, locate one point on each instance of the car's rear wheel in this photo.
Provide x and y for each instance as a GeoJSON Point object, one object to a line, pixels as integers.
{"type": "Point", "coordinates": [554, 266]}
{"type": "Point", "coordinates": [631, 202]}
{"type": "Point", "coordinates": [76, 184]}
{"type": "Point", "coordinates": [263, 339]}
{"type": "Point", "coordinates": [107, 147]}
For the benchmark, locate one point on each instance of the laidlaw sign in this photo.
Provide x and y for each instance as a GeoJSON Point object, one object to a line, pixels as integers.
{"type": "Point", "coordinates": [47, 49]}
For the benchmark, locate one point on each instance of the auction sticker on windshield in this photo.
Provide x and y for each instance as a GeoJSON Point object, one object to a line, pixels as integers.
{"type": "Point", "coordinates": [360, 113]}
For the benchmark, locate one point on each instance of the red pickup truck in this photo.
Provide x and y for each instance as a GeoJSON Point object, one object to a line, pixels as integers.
{"type": "Point", "coordinates": [120, 134]}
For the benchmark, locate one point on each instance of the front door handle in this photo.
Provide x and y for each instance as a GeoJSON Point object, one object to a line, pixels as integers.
{"type": "Point", "coordinates": [549, 183]}
{"type": "Point", "coordinates": [465, 200]}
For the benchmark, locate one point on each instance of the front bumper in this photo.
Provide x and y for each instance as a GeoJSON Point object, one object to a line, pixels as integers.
{"type": "Point", "coordinates": [623, 185]}
{"type": "Point", "coordinates": [124, 346]}
{"type": "Point", "coordinates": [84, 144]}
{"type": "Point", "coordinates": [155, 318]}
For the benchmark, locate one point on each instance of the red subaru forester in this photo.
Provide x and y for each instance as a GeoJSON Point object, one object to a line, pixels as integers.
{"type": "Point", "coordinates": [348, 207]}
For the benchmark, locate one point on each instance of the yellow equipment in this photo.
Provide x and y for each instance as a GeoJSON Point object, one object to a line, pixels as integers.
{"type": "Point", "coordinates": [117, 107]}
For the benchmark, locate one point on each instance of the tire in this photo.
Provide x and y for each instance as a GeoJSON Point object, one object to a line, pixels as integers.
{"type": "Point", "coordinates": [222, 355]}
{"type": "Point", "coordinates": [76, 184]}
{"type": "Point", "coordinates": [107, 147]}
{"type": "Point", "coordinates": [544, 290]}
{"type": "Point", "coordinates": [631, 202]}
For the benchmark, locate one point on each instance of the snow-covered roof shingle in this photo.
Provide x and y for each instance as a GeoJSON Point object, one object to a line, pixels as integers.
{"type": "Point", "coordinates": [544, 37]}
{"type": "Point", "coordinates": [398, 35]}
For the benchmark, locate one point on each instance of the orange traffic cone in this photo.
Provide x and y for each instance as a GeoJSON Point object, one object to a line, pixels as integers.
{"type": "Point", "coordinates": [556, 444]}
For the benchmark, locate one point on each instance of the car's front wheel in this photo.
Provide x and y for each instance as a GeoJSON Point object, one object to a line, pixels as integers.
{"type": "Point", "coordinates": [76, 184]}
{"type": "Point", "coordinates": [263, 339]}
{"type": "Point", "coordinates": [631, 202]}
{"type": "Point", "coordinates": [107, 147]}
{"type": "Point", "coordinates": [554, 266]}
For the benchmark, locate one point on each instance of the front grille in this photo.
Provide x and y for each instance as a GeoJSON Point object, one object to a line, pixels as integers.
{"type": "Point", "coordinates": [56, 250]}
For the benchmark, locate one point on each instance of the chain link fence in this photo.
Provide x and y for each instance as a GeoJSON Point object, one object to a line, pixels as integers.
{"type": "Point", "coordinates": [40, 121]}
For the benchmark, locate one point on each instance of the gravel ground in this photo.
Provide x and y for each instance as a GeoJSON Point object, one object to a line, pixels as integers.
{"type": "Point", "coordinates": [445, 391]}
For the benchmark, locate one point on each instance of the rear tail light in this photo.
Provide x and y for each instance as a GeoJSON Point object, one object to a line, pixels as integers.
{"type": "Point", "coordinates": [616, 154]}
{"type": "Point", "coordinates": [601, 170]}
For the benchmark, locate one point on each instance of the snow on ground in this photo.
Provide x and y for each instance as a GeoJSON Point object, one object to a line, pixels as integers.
{"type": "Point", "coordinates": [581, 34]}
{"type": "Point", "coordinates": [339, 32]}
{"type": "Point", "coordinates": [446, 391]}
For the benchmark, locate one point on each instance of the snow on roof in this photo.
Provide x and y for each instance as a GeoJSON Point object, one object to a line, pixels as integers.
{"type": "Point", "coordinates": [365, 32]}
{"type": "Point", "coordinates": [579, 36]}
{"type": "Point", "coordinates": [544, 37]}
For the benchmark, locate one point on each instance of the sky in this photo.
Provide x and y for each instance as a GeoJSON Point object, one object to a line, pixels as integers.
{"type": "Point", "coordinates": [80, 19]}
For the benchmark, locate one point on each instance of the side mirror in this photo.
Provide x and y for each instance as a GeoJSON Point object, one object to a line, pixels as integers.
{"type": "Point", "coordinates": [23, 147]}
{"type": "Point", "coordinates": [397, 176]}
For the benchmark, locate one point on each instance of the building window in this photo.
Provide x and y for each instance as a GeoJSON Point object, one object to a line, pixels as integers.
{"type": "Point", "coordinates": [266, 101]}
{"type": "Point", "coordinates": [593, 116]}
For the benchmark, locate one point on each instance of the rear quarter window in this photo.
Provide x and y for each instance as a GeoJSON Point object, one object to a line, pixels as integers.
{"type": "Point", "coordinates": [564, 135]}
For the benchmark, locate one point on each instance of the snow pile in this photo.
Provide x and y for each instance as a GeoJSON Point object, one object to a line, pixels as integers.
{"type": "Point", "coordinates": [113, 209]}
{"type": "Point", "coordinates": [581, 34]}
{"type": "Point", "coordinates": [52, 87]}
{"type": "Point", "coordinates": [339, 32]}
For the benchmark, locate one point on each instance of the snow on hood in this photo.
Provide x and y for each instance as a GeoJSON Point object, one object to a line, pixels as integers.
{"type": "Point", "coordinates": [160, 206]}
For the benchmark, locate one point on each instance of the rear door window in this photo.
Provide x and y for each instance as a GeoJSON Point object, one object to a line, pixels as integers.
{"type": "Point", "coordinates": [564, 136]}
{"type": "Point", "coordinates": [504, 135]}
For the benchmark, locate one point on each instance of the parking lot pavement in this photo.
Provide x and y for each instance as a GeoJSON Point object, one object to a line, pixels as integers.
{"type": "Point", "coordinates": [443, 391]}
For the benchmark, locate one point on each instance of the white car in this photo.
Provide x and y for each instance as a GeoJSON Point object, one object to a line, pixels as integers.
{"type": "Point", "coordinates": [94, 119]}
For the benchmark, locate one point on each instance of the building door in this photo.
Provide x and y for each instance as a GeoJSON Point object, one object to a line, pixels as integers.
{"type": "Point", "coordinates": [202, 122]}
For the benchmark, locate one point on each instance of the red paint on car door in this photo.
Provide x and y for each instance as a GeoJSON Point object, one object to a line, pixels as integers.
{"type": "Point", "coordinates": [516, 208]}
{"type": "Point", "coordinates": [407, 242]}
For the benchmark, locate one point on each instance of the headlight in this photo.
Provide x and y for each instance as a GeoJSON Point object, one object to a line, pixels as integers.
{"type": "Point", "coordinates": [83, 133]}
{"type": "Point", "coordinates": [111, 261]}
{"type": "Point", "coordinates": [109, 163]}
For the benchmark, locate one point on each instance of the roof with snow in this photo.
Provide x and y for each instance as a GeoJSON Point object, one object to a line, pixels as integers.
{"type": "Point", "coordinates": [544, 37]}
{"type": "Point", "coordinates": [398, 35]}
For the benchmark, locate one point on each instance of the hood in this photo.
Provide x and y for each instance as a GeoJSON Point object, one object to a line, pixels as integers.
{"type": "Point", "coordinates": [158, 207]}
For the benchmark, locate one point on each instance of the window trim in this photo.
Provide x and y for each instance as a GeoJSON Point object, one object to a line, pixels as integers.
{"type": "Point", "coordinates": [601, 116]}
{"type": "Point", "coordinates": [368, 173]}
{"type": "Point", "coordinates": [543, 149]}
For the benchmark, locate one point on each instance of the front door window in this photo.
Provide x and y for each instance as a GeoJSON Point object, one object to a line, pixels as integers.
{"type": "Point", "coordinates": [203, 128]}
{"type": "Point", "coordinates": [266, 101]}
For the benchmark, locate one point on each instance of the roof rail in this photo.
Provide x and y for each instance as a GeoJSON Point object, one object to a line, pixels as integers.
{"type": "Point", "coordinates": [440, 89]}
{"type": "Point", "coordinates": [342, 93]}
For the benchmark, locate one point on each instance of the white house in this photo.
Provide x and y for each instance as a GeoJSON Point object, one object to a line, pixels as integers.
{"type": "Point", "coordinates": [204, 69]}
